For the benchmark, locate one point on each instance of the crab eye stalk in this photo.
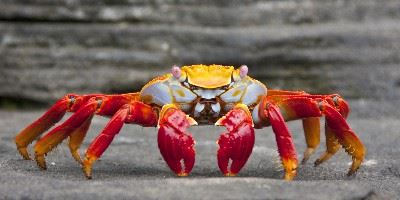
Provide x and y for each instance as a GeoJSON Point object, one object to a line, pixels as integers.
{"type": "Point", "coordinates": [240, 73]}
{"type": "Point", "coordinates": [243, 70]}
{"type": "Point", "coordinates": [178, 74]}
{"type": "Point", "coordinates": [176, 71]}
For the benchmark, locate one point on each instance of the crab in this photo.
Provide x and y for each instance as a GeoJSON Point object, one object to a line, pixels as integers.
{"type": "Point", "coordinates": [199, 95]}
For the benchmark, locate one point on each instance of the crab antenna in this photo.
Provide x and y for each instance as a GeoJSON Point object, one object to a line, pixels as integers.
{"type": "Point", "coordinates": [176, 71]}
{"type": "Point", "coordinates": [243, 71]}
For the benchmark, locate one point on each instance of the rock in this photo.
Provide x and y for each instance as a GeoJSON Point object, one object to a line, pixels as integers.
{"type": "Point", "coordinates": [48, 49]}
{"type": "Point", "coordinates": [132, 167]}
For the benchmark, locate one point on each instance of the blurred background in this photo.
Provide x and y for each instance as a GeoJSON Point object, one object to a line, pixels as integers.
{"type": "Point", "coordinates": [52, 47]}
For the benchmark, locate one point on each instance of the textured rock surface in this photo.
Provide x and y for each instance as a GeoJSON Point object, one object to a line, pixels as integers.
{"type": "Point", "coordinates": [49, 48]}
{"type": "Point", "coordinates": [132, 168]}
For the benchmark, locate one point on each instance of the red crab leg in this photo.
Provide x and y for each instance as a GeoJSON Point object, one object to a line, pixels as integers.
{"type": "Point", "coordinates": [237, 144]}
{"type": "Point", "coordinates": [284, 140]}
{"type": "Point", "coordinates": [346, 137]}
{"type": "Point", "coordinates": [332, 144]}
{"type": "Point", "coordinates": [174, 141]}
{"type": "Point", "coordinates": [136, 112]}
{"type": "Point", "coordinates": [311, 125]}
{"type": "Point", "coordinates": [303, 107]}
{"type": "Point", "coordinates": [34, 130]}
{"type": "Point", "coordinates": [84, 107]}
{"type": "Point", "coordinates": [59, 133]}
{"type": "Point", "coordinates": [70, 102]}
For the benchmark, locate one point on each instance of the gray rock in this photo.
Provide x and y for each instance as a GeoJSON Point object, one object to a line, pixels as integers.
{"type": "Point", "coordinates": [132, 167]}
{"type": "Point", "coordinates": [50, 48]}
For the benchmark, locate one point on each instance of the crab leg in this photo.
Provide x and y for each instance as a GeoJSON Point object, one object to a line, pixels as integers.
{"type": "Point", "coordinates": [311, 125]}
{"type": "Point", "coordinates": [85, 107]}
{"type": "Point", "coordinates": [61, 132]}
{"type": "Point", "coordinates": [34, 130]}
{"type": "Point", "coordinates": [284, 140]}
{"type": "Point", "coordinates": [70, 103]}
{"type": "Point", "coordinates": [76, 139]}
{"type": "Point", "coordinates": [237, 144]}
{"type": "Point", "coordinates": [304, 107]}
{"type": "Point", "coordinates": [136, 112]}
{"type": "Point", "coordinates": [346, 137]}
{"type": "Point", "coordinates": [174, 141]}
{"type": "Point", "coordinates": [332, 146]}
{"type": "Point", "coordinates": [311, 128]}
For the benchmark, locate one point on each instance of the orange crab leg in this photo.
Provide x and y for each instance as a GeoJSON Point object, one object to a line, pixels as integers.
{"type": "Point", "coordinates": [332, 146]}
{"type": "Point", "coordinates": [174, 141]}
{"type": "Point", "coordinates": [136, 112]}
{"type": "Point", "coordinates": [346, 137]}
{"type": "Point", "coordinates": [76, 139]}
{"type": "Point", "coordinates": [311, 128]}
{"type": "Point", "coordinates": [34, 130]}
{"type": "Point", "coordinates": [237, 144]}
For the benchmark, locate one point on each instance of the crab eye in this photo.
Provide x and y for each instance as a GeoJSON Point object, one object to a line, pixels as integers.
{"type": "Point", "coordinates": [176, 71]}
{"type": "Point", "coordinates": [243, 70]}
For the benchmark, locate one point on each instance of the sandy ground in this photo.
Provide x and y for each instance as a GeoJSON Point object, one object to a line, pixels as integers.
{"type": "Point", "coordinates": [132, 167]}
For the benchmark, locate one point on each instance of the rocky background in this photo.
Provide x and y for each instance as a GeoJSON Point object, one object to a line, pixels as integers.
{"type": "Point", "coordinates": [52, 47]}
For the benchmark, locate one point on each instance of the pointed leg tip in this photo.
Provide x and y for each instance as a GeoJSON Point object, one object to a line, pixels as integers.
{"type": "Point", "coordinates": [352, 171]}
{"type": "Point", "coordinates": [87, 171]}
{"type": "Point", "coordinates": [87, 166]}
{"type": "Point", "coordinates": [290, 175]}
{"type": "Point", "coordinates": [182, 174]}
{"type": "Point", "coordinates": [230, 174]}
{"type": "Point", "coordinates": [24, 153]}
{"type": "Point", "coordinates": [88, 175]}
{"type": "Point", "coordinates": [288, 178]}
{"type": "Point", "coordinates": [317, 162]}
{"type": "Point", "coordinates": [307, 155]}
{"type": "Point", "coordinates": [41, 161]}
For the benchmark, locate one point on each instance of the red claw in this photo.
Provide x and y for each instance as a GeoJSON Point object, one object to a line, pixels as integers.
{"type": "Point", "coordinates": [236, 144]}
{"type": "Point", "coordinates": [175, 143]}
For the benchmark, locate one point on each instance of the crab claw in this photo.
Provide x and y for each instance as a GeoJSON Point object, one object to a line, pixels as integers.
{"type": "Point", "coordinates": [175, 143]}
{"type": "Point", "coordinates": [237, 144]}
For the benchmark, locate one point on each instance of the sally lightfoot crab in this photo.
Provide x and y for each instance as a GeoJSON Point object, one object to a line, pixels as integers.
{"type": "Point", "coordinates": [199, 94]}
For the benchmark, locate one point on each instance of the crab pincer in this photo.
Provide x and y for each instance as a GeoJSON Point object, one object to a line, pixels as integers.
{"type": "Point", "coordinates": [174, 141]}
{"type": "Point", "coordinates": [237, 144]}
